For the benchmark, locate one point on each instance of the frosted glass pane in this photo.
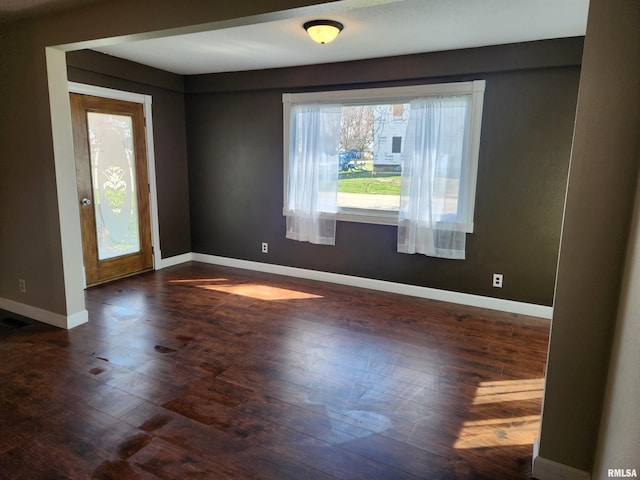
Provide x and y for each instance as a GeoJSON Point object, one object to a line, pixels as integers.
{"type": "Point", "coordinates": [114, 181]}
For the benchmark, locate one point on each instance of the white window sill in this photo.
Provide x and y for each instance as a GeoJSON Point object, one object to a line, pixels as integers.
{"type": "Point", "coordinates": [375, 217]}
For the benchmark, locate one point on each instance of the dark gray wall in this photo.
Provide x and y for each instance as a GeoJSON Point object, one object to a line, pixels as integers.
{"type": "Point", "coordinates": [602, 187]}
{"type": "Point", "coordinates": [169, 134]}
{"type": "Point", "coordinates": [234, 129]}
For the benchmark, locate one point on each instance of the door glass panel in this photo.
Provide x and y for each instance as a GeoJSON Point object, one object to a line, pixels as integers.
{"type": "Point", "coordinates": [113, 180]}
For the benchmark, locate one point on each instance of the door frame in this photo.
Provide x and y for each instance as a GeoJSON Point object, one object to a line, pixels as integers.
{"type": "Point", "coordinates": [146, 101]}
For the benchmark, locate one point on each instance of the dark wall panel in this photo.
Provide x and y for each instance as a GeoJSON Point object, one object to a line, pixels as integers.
{"type": "Point", "coordinates": [236, 169]}
{"type": "Point", "coordinates": [169, 132]}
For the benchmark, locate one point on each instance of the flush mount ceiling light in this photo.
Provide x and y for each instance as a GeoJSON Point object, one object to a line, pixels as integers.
{"type": "Point", "coordinates": [323, 31]}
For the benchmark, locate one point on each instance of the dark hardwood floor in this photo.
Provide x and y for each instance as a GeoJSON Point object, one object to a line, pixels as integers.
{"type": "Point", "coordinates": [206, 372]}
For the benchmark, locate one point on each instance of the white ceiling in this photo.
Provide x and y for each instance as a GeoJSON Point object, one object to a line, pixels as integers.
{"type": "Point", "coordinates": [373, 28]}
{"type": "Point", "coordinates": [389, 27]}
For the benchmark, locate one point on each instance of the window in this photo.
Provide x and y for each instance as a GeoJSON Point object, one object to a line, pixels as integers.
{"type": "Point", "coordinates": [370, 145]}
{"type": "Point", "coordinates": [396, 145]}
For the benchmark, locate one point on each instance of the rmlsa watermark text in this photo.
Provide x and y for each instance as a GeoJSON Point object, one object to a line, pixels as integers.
{"type": "Point", "coordinates": [622, 473]}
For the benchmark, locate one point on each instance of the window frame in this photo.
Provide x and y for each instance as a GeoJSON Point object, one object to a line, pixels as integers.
{"type": "Point", "coordinates": [392, 95]}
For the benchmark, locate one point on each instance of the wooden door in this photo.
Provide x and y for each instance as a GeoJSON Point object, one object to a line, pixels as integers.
{"type": "Point", "coordinates": [113, 187]}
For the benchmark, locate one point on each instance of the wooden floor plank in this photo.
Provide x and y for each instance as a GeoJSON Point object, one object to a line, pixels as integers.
{"type": "Point", "coordinates": [198, 371]}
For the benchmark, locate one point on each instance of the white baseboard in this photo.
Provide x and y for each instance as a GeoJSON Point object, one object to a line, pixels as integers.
{"type": "Point", "coordinates": [545, 469]}
{"type": "Point", "coordinates": [176, 260]}
{"type": "Point", "coordinates": [70, 321]}
{"type": "Point", "coordinates": [76, 319]}
{"type": "Point", "coordinates": [45, 316]}
{"type": "Point", "coordinates": [381, 285]}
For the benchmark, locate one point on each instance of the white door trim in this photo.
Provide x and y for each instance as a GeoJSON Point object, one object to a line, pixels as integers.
{"type": "Point", "coordinates": [146, 101]}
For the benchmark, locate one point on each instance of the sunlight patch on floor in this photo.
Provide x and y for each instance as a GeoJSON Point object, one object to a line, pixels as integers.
{"type": "Point", "coordinates": [261, 292]}
{"type": "Point", "coordinates": [251, 290]}
{"type": "Point", "coordinates": [498, 432]}
{"type": "Point", "coordinates": [199, 280]}
{"type": "Point", "coordinates": [509, 391]}
{"type": "Point", "coordinates": [508, 431]}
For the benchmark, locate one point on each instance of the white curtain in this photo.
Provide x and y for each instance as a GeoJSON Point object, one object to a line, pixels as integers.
{"type": "Point", "coordinates": [313, 173]}
{"type": "Point", "coordinates": [432, 180]}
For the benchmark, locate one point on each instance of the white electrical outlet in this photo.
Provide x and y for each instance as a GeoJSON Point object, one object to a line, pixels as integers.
{"type": "Point", "coordinates": [497, 280]}
{"type": "Point", "coordinates": [265, 247]}
{"type": "Point", "coordinates": [22, 285]}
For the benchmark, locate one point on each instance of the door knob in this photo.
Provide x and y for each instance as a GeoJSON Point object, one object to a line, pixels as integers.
{"type": "Point", "coordinates": [86, 201]}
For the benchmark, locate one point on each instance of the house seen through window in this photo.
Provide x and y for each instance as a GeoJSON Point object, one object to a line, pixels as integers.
{"type": "Point", "coordinates": [371, 156]}
{"type": "Point", "coordinates": [371, 145]}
